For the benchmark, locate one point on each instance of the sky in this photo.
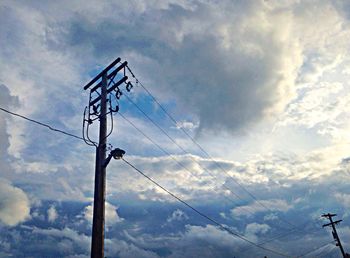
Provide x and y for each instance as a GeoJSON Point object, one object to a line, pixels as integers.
{"type": "Point", "coordinates": [257, 137]}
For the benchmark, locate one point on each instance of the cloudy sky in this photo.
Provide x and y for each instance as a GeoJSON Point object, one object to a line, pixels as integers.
{"type": "Point", "coordinates": [258, 136]}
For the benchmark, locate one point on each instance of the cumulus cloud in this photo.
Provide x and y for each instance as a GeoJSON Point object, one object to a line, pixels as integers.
{"type": "Point", "coordinates": [254, 229]}
{"type": "Point", "coordinates": [111, 215]}
{"type": "Point", "coordinates": [261, 206]}
{"type": "Point", "coordinates": [52, 214]}
{"type": "Point", "coordinates": [236, 71]}
{"type": "Point", "coordinates": [74, 244]}
{"type": "Point", "coordinates": [14, 204]}
{"type": "Point", "coordinates": [227, 66]}
{"type": "Point", "coordinates": [177, 215]}
{"type": "Point", "coordinates": [343, 199]}
{"type": "Point", "coordinates": [120, 248]}
{"type": "Point", "coordinates": [59, 237]}
{"type": "Point", "coordinates": [197, 240]}
{"type": "Point", "coordinates": [228, 69]}
{"type": "Point", "coordinates": [6, 101]}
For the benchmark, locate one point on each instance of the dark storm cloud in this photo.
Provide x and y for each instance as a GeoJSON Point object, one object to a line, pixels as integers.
{"type": "Point", "coordinates": [224, 67]}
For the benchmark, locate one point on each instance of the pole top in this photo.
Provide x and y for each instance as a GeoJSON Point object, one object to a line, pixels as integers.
{"type": "Point", "coordinates": [101, 73]}
{"type": "Point", "coordinates": [328, 215]}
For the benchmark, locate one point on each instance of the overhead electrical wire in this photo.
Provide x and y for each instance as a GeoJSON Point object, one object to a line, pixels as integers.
{"type": "Point", "coordinates": [283, 235]}
{"type": "Point", "coordinates": [168, 114]}
{"type": "Point", "coordinates": [81, 138]}
{"type": "Point", "coordinates": [42, 124]}
{"type": "Point", "coordinates": [315, 249]}
{"type": "Point", "coordinates": [138, 82]}
{"type": "Point", "coordinates": [302, 228]}
{"type": "Point", "coordinates": [179, 199]}
{"type": "Point", "coordinates": [179, 146]}
{"type": "Point", "coordinates": [197, 144]}
{"type": "Point", "coordinates": [172, 157]}
{"type": "Point", "coordinates": [194, 160]}
{"type": "Point", "coordinates": [228, 230]}
{"type": "Point", "coordinates": [326, 253]}
{"type": "Point", "coordinates": [149, 178]}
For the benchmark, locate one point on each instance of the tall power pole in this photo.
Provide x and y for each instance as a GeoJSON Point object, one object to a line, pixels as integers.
{"type": "Point", "coordinates": [334, 231]}
{"type": "Point", "coordinates": [97, 245]}
{"type": "Point", "coordinates": [100, 98]}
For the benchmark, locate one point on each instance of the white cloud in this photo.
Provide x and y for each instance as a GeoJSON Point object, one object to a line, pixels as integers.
{"type": "Point", "coordinates": [198, 240]}
{"type": "Point", "coordinates": [186, 125]}
{"type": "Point", "coordinates": [343, 199]}
{"type": "Point", "coordinates": [111, 215]}
{"type": "Point", "coordinates": [74, 244]}
{"type": "Point", "coordinates": [52, 214]}
{"type": "Point", "coordinates": [14, 204]}
{"type": "Point", "coordinates": [248, 74]}
{"type": "Point", "coordinates": [81, 240]}
{"type": "Point", "coordinates": [261, 206]}
{"type": "Point", "coordinates": [271, 216]}
{"type": "Point", "coordinates": [118, 248]}
{"type": "Point", "coordinates": [222, 66]}
{"type": "Point", "coordinates": [177, 215]}
{"type": "Point", "coordinates": [254, 229]}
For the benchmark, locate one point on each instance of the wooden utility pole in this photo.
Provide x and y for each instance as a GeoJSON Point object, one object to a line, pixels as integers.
{"type": "Point", "coordinates": [334, 231]}
{"type": "Point", "coordinates": [97, 244]}
{"type": "Point", "coordinates": [97, 110]}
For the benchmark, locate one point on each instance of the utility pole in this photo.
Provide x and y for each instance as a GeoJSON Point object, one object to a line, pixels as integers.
{"type": "Point", "coordinates": [334, 231]}
{"type": "Point", "coordinates": [100, 98]}
{"type": "Point", "coordinates": [97, 245]}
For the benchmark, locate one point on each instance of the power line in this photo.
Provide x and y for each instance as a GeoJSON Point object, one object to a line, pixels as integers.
{"type": "Point", "coordinates": [202, 214]}
{"type": "Point", "coordinates": [178, 145]}
{"type": "Point", "coordinates": [283, 235]}
{"type": "Point", "coordinates": [41, 124]}
{"type": "Point", "coordinates": [326, 252]}
{"type": "Point", "coordinates": [80, 138]}
{"type": "Point", "coordinates": [185, 203]}
{"type": "Point", "coordinates": [229, 199]}
{"type": "Point", "coordinates": [171, 156]}
{"type": "Point", "coordinates": [197, 144]}
{"type": "Point", "coordinates": [315, 249]}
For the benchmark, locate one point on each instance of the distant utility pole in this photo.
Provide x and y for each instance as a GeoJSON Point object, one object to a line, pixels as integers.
{"type": "Point", "coordinates": [334, 231]}
{"type": "Point", "coordinates": [100, 98]}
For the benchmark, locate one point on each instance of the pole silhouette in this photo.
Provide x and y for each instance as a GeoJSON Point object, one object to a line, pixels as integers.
{"type": "Point", "coordinates": [334, 231]}
{"type": "Point", "coordinates": [97, 244]}
{"type": "Point", "coordinates": [103, 101]}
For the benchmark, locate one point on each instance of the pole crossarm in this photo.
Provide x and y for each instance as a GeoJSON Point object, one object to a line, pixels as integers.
{"type": "Point", "coordinates": [101, 73]}
{"type": "Point", "coordinates": [334, 222]}
{"type": "Point", "coordinates": [329, 215]}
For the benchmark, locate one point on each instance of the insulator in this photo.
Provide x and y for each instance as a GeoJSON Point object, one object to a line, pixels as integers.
{"type": "Point", "coordinates": [129, 86]}
{"type": "Point", "coordinates": [95, 109]}
{"type": "Point", "coordinates": [118, 94]}
{"type": "Point", "coordinates": [116, 109]}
